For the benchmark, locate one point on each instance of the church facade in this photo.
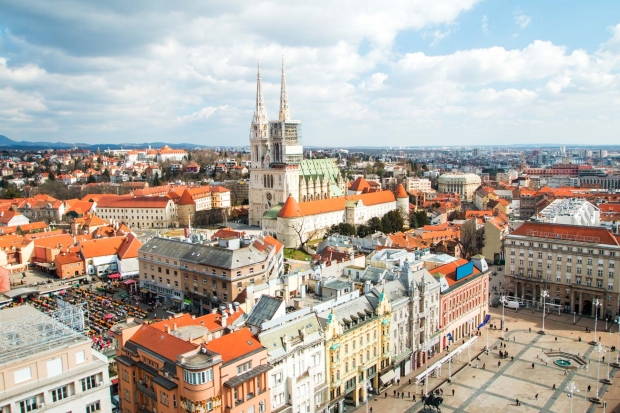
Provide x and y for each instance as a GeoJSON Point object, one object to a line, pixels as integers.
{"type": "Point", "coordinates": [277, 168]}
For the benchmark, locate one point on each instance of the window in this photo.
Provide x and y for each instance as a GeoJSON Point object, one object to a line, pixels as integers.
{"type": "Point", "coordinates": [59, 394]}
{"type": "Point", "coordinates": [54, 367]}
{"type": "Point", "coordinates": [600, 273]}
{"type": "Point", "coordinates": [251, 409]}
{"type": "Point", "coordinates": [22, 375]}
{"type": "Point", "coordinates": [164, 398]}
{"type": "Point", "coordinates": [242, 368]}
{"type": "Point", "coordinates": [610, 286]}
{"type": "Point", "coordinates": [28, 405]}
{"type": "Point", "coordinates": [567, 280]}
{"type": "Point", "coordinates": [199, 377]}
{"type": "Point", "coordinates": [599, 284]}
{"type": "Point", "coordinates": [88, 382]}
{"type": "Point", "coordinates": [611, 274]}
{"type": "Point", "coordinates": [209, 405]}
{"type": "Point", "coordinates": [93, 407]}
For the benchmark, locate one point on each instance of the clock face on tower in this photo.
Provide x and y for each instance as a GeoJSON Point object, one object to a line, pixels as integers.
{"type": "Point", "coordinates": [268, 196]}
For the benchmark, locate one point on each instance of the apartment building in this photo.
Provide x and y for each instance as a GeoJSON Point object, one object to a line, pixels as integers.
{"type": "Point", "coordinates": [176, 365]}
{"type": "Point", "coordinates": [47, 366]}
{"type": "Point", "coordinates": [202, 198]}
{"type": "Point", "coordinates": [576, 264]}
{"type": "Point", "coordinates": [295, 345]}
{"type": "Point", "coordinates": [357, 349]}
{"type": "Point", "coordinates": [198, 277]}
{"type": "Point", "coordinates": [464, 297]}
{"type": "Point", "coordinates": [418, 184]}
{"type": "Point", "coordinates": [139, 211]}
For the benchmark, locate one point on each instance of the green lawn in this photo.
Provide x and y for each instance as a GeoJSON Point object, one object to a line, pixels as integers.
{"type": "Point", "coordinates": [295, 254]}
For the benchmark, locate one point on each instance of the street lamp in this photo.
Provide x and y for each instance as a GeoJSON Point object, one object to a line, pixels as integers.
{"type": "Point", "coordinates": [585, 394]}
{"type": "Point", "coordinates": [607, 380]}
{"type": "Point", "coordinates": [425, 348]}
{"type": "Point", "coordinates": [572, 388]}
{"type": "Point", "coordinates": [599, 350]}
{"type": "Point", "coordinates": [544, 296]}
{"type": "Point", "coordinates": [502, 300]}
{"type": "Point", "coordinates": [596, 304]}
{"type": "Point", "coordinates": [618, 349]}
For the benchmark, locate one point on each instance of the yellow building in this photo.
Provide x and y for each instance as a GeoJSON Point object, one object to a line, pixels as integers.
{"type": "Point", "coordinates": [357, 348]}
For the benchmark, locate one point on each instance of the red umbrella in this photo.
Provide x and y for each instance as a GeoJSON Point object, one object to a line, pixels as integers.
{"type": "Point", "coordinates": [108, 316]}
{"type": "Point", "coordinates": [114, 276]}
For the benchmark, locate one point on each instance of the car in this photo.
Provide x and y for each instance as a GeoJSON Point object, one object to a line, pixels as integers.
{"type": "Point", "coordinates": [617, 319]}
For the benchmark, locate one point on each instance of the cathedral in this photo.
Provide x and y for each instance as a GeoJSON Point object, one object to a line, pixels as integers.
{"type": "Point", "coordinates": [278, 169]}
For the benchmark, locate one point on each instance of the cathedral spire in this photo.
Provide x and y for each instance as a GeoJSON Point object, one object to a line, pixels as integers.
{"type": "Point", "coordinates": [260, 114]}
{"type": "Point", "coordinates": [284, 114]}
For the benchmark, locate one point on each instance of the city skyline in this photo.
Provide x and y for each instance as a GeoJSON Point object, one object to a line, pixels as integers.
{"type": "Point", "coordinates": [462, 73]}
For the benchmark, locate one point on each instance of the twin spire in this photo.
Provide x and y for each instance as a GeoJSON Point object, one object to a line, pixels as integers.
{"type": "Point", "coordinates": [260, 113]}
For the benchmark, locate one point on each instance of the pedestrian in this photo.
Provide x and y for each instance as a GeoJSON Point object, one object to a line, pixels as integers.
{"type": "Point", "coordinates": [499, 363]}
{"type": "Point", "coordinates": [371, 410]}
{"type": "Point", "coordinates": [414, 397]}
{"type": "Point", "coordinates": [408, 394]}
{"type": "Point", "coordinates": [589, 387]}
{"type": "Point", "coordinates": [410, 381]}
{"type": "Point", "coordinates": [484, 366]}
{"type": "Point", "coordinates": [518, 404]}
{"type": "Point", "coordinates": [530, 329]}
{"type": "Point", "coordinates": [453, 392]}
{"type": "Point", "coordinates": [394, 393]}
{"type": "Point", "coordinates": [514, 338]}
{"type": "Point", "coordinates": [402, 395]}
{"type": "Point", "coordinates": [512, 358]}
{"type": "Point", "coordinates": [536, 396]}
{"type": "Point", "coordinates": [398, 381]}
{"type": "Point", "coordinates": [397, 394]}
{"type": "Point", "coordinates": [553, 386]}
{"type": "Point", "coordinates": [386, 395]}
{"type": "Point", "coordinates": [556, 339]}
{"type": "Point", "coordinates": [603, 359]}
{"type": "Point", "coordinates": [532, 365]}
{"type": "Point", "coordinates": [441, 390]}
{"type": "Point", "coordinates": [565, 372]}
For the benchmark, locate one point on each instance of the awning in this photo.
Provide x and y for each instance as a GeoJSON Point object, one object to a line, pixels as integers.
{"type": "Point", "coordinates": [176, 299]}
{"type": "Point", "coordinates": [186, 301]}
{"type": "Point", "coordinates": [144, 290]}
{"type": "Point", "coordinates": [129, 282]}
{"type": "Point", "coordinates": [114, 381]}
{"type": "Point", "coordinates": [387, 376]}
{"type": "Point", "coordinates": [114, 276]}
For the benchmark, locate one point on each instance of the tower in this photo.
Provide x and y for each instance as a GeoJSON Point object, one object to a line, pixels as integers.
{"type": "Point", "coordinates": [284, 113]}
{"type": "Point", "coordinates": [259, 130]}
{"type": "Point", "coordinates": [402, 203]}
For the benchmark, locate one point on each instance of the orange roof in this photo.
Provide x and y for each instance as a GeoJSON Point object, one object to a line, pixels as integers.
{"type": "Point", "coordinates": [67, 258]}
{"type": "Point", "coordinates": [290, 209]}
{"type": "Point", "coordinates": [449, 270]}
{"type": "Point", "coordinates": [373, 198]}
{"type": "Point", "coordinates": [133, 202]}
{"type": "Point", "coordinates": [130, 247]}
{"type": "Point", "coordinates": [194, 193]}
{"type": "Point", "coordinates": [400, 192]}
{"type": "Point", "coordinates": [407, 241]}
{"type": "Point", "coordinates": [553, 231]}
{"type": "Point", "coordinates": [161, 343]}
{"type": "Point", "coordinates": [226, 233]}
{"type": "Point", "coordinates": [235, 345]}
{"type": "Point", "coordinates": [359, 184]}
{"type": "Point", "coordinates": [62, 241]}
{"type": "Point", "coordinates": [101, 246]}
{"type": "Point", "coordinates": [267, 243]}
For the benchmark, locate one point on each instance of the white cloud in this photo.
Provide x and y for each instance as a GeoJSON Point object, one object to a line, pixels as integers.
{"type": "Point", "coordinates": [375, 82]}
{"type": "Point", "coordinates": [202, 114]}
{"type": "Point", "coordinates": [522, 20]}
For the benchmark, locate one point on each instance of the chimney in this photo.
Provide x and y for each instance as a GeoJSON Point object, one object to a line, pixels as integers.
{"type": "Point", "coordinates": [224, 317]}
{"type": "Point", "coordinates": [174, 326]}
{"type": "Point", "coordinates": [167, 329]}
{"type": "Point", "coordinates": [230, 308]}
{"type": "Point", "coordinates": [236, 306]}
{"type": "Point", "coordinates": [193, 316]}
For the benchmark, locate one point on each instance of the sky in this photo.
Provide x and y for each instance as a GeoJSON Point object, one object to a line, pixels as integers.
{"type": "Point", "coordinates": [359, 73]}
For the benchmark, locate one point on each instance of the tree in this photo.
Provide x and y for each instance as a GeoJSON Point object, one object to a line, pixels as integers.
{"type": "Point", "coordinates": [11, 193]}
{"type": "Point", "coordinates": [363, 231]}
{"type": "Point", "coordinates": [471, 239]}
{"type": "Point", "coordinates": [156, 181]}
{"type": "Point", "coordinates": [418, 219]}
{"type": "Point", "coordinates": [374, 225]}
{"type": "Point", "coordinates": [348, 230]}
{"type": "Point", "coordinates": [392, 222]}
{"type": "Point", "coordinates": [299, 227]}
{"type": "Point", "coordinates": [51, 176]}
{"type": "Point", "coordinates": [105, 176]}
{"type": "Point", "coordinates": [91, 179]}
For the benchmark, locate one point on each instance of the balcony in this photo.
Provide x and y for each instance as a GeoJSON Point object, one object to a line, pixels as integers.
{"type": "Point", "coordinates": [146, 391]}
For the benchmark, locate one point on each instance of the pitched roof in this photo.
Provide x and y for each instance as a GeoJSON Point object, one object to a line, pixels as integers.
{"type": "Point", "coordinates": [133, 202]}
{"type": "Point", "coordinates": [571, 232]}
{"type": "Point", "coordinates": [161, 343]}
{"type": "Point", "coordinates": [290, 209]}
{"type": "Point", "coordinates": [68, 258]}
{"type": "Point", "coordinates": [449, 270]}
{"type": "Point", "coordinates": [130, 247]}
{"type": "Point", "coordinates": [101, 246]}
{"type": "Point", "coordinates": [235, 345]}
{"type": "Point", "coordinates": [359, 184]}
{"type": "Point", "coordinates": [400, 192]}
{"type": "Point", "coordinates": [264, 310]}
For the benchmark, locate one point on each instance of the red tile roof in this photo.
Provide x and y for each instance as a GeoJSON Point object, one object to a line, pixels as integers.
{"type": "Point", "coordinates": [290, 209]}
{"type": "Point", "coordinates": [359, 184]}
{"type": "Point", "coordinates": [400, 192]}
{"type": "Point", "coordinates": [133, 202]}
{"type": "Point", "coordinates": [573, 232]}
{"type": "Point", "coordinates": [101, 247]}
{"type": "Point", "coordinates": [235, 345]}
{"type": "Point", "coordinates": [449, 270]}
{"type": "Point", "coordinates": [161, 343]}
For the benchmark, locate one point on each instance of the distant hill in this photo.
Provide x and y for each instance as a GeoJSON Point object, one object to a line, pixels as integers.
{"type": "Point", "coordinates": [6, 142]}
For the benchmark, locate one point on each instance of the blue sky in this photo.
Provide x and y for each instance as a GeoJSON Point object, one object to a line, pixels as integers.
{"type": "Point", "coordinates": [458, 72]}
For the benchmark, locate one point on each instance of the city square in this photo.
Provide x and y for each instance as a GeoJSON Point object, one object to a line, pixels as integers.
{"type": "Point", "coordinates": [496, 388]}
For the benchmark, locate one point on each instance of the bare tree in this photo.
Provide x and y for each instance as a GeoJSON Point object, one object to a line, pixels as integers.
{"type": "Point", "coordinates": [299, 227]}
{"type": "Point", "coordinates": [471, 239]}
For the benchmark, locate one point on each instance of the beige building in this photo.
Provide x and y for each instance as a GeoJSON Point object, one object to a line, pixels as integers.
{"type": "Point", "coordinates": [199, 277]}
{"type": "Point", "coordinates": [462, 184]}
{"type": "Point", "coordinates": [418, 184]}
{"type": "Point", "coordinates": [46, 366]}
{"type": "Point", "coordinates": [139, 211]}
{"type": "Point", "coordinates": [575, 264]}
{"type": "Point", "coordinates": [202, 198]}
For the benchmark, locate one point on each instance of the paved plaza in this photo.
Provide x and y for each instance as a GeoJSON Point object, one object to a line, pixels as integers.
{"type": "Point", "coordinates": [496, 388]}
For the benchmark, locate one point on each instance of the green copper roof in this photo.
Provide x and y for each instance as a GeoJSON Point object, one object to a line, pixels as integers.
{"type": "Point", "coordinates": [316, 167]}
{"type": "Point", "coordinates": [272, 213]}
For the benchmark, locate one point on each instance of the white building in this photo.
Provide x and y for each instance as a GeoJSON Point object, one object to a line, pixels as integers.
{"type": "Point", "coordinates": [296, 351]}
{"type": "Point", "coordinates": [47, 366]}
{"type": "Point", "coordinates": [569, 211]}
{"type": "Point", "coordinates": [418, 184]}
{"type": "Point", "coordinates": [463, 184]}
